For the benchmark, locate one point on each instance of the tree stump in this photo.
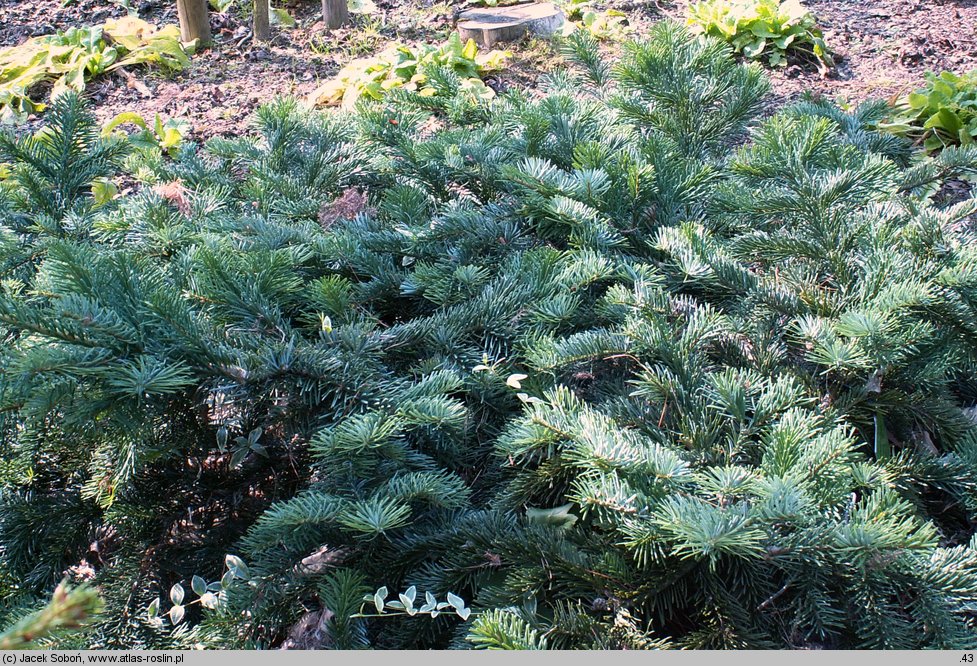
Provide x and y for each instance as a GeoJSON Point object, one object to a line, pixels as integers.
{"type": "Point", "coordinates": [194, 21]}
{"type": "Point", "coordinates": [334, 13]}
{"type": "Point", "coordinates": [490, 25]}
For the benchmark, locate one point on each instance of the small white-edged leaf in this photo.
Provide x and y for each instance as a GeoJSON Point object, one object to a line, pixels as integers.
{"type": "Point", "coordinates": [514, 380]}
{"type": "Point", "coordinates": [153, 609]}
{"type": "Point", "coordinates": [198, 585]}
{"type": "Point", "coordinates": [463, 613]}
{"type": "Point", "coordinates": [430, 599]}
{"type": "Point", "coordinates": [227, 579]}
{"type": "Point", "coordinates": [237, 565]}
{"type": "Point", "coordinates": [177, 594]}
{"type": "Point", "coordinates": [411, 593]}
{"type": "Point", "coordinates": [176, 614]}
{"type": "Point", "coordinates": [531, 399]}
{"type": "Point", "coordinates": [455, 601]}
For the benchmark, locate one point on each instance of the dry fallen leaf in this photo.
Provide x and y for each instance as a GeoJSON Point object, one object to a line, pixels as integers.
{"type": "Point", "coordinates": [348, 205]}
{"type": "Point", "coordinates": [176, 194]}
{"type": "Point", "coordinates": [309, 633]}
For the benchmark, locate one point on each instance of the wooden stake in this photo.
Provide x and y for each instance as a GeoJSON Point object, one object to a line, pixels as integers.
{"type": "Point", "coordinates": [334, 13]}
{"type": "Point", "coordinates": [194, 21]}
{"type": "Point", "coordinates": [262, 26]}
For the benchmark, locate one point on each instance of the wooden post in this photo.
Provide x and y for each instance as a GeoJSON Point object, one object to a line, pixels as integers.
{"type": "Point", "coordinates": [262, 28]}
{"type": "Point", "coordinates": [334, 13]}
{"type": "Point", "coordinates": [194, 21]}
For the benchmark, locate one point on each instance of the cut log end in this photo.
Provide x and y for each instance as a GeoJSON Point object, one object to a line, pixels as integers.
{"type": "Point", "coordinates": [490, 25]}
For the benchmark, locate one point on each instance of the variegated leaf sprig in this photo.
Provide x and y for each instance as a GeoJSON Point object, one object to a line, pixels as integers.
{"type": "Point", "coordinates": [404, 604]}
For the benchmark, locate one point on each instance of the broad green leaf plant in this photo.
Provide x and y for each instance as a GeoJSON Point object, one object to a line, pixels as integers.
{"type": "Point", "coordinates": [608, 25]}
{"type": "Point", "coordinates": [166, 135]}
{"type": "Point", "coordinates": [67, 60]}
{"type": "Point", "coordinates": [762, 29]}
{"type": "Point", "coordinates": [941, 113]}
{"type": "Point", "coordinates": [410, 68]}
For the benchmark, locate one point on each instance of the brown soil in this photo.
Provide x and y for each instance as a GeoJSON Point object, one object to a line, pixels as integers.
{"type": "Point", "coordinates": [218, 93]}
{"type": "Point", "coordinates": [882, 48]}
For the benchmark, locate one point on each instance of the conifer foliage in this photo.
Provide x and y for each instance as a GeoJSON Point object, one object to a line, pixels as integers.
{"type": "Point", "coordinates": [621, 366]}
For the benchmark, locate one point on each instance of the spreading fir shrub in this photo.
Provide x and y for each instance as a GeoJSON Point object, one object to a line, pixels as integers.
{"type": "Point", "coordinates": [621, 367]}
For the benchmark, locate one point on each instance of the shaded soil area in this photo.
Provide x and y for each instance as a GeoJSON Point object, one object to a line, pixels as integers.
{"type": "Point", "coordinates": [882, 49]}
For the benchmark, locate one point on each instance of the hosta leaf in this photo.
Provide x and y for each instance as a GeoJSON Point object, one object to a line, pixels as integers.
{"type": "Point", "coordinates": [755, 48]}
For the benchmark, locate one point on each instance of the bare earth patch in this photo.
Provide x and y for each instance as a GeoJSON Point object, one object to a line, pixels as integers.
{"type": "Point", "coordinates": [882, 47]}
